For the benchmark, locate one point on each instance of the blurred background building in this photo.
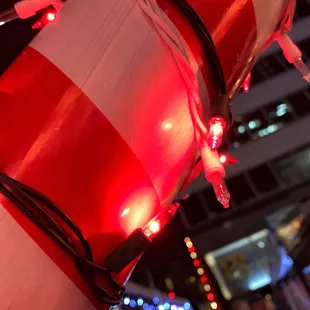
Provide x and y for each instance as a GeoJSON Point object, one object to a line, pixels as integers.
{"type": "Point", "coordinates": [240, 249]}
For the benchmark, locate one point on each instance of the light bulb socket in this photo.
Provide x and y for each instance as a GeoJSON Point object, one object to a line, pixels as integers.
{"type": "Point", "coordinates": [221, 108]}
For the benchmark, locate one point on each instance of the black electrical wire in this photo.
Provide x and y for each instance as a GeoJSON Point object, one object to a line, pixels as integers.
{"type": "Point", "coordinates": [39, 210]}
{"type": "Point", "coordinates": [207, 43]}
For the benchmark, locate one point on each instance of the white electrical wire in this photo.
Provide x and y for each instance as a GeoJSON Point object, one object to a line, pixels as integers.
{"type": "Point", "coordinates": [286, 22]}
{"type": "Point", "coordinates": [183, 57]}
{"type": "Point", "coordinates": [213, 168]}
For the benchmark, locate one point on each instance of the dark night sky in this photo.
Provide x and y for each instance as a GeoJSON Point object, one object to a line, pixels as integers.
{"type": "Point", "coordinates": [14, 37]}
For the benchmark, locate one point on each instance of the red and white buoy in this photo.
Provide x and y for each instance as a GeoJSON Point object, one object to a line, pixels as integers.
{"type": "Point", "coordinates": [94, 114]}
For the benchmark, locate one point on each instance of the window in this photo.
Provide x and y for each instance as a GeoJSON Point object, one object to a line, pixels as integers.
{"type": "Point", "coordinates": [294, 169]}
{"type": "Point", "coordinates": [305, 48]}
{"type": "Point", "coordinates": [256, 76]}
{"type": "Point", "coordinates": [296, 18]}
{"type": "Point", "coordinates": [240, 190]}
{"type": "Point", "coordinates": [263, 179]}
{"type": "Point", "coordinates": [194, 210]}
{"type": "Point", "coordinates": [303, 9]}
{"type": "Point", "coordinates": [280, 113]}
{"type": "Point", "coordinates": [300, 102]}
{"type": "Point", "coordinates": [272, 65]}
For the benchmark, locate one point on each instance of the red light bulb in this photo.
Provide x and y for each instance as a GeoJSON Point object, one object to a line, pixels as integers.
{"type": "Point", "coordinates": [160, 221]}
{"type": "Point", "coordinates": [223, 159]}
{"type": "Point", "coordinates": [220, 189]}
{"type": "Point", "coordinates": [51, 16]}
{"type": "Point", "coordinates": [191, 249]}
{"type": "Point", "coordinates": [171, 295]}
{"type": "Point", "coordinates": [247, 83]}
{"type": "Point", "coordinates": [203, 279]}
{"type": "Point", "coordinates": [154, 226]}
{"type": "Point", "coordinates": [228, 160]}
{"type": "Point", "coordinates": [196, 262]}
{"type": "Point", "coordinates": [48, 17]}
{"type": "Point", "coordinates": [210, 297]}
{"type": "Point", "coordinates": [217, 126]}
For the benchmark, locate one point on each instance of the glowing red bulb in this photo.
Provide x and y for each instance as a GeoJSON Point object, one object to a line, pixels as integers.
{"type": "Point", "coordinates": [154, 227]}
{"type": "Point", "coordinates": [217, 126]}
{"type": "Point", "coordinates": [191, 249]}
{"type": "Point", "coordinates": [228, 160]}
{"type": "Point", "coordinates": [45, 19]}
{"type": "Point", "coordinates": [203, 279]}
{"type": "Point", "coordinates": [196, 262]}
{"type": "Point", "coordinates": [50, 16]}
{"type": "Point", "coordinates": [247, 83]}
{"type": "Point", "coordinates": [171, 295]}
{"type": "Point", "coordinates": [223, 159]}
{"type": "Point", "coordinates": [210, 297]}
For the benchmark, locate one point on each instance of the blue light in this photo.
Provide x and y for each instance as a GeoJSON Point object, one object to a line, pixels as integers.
{"type": "Point", "coordinates": [180, 308]}
{"type": "Point", "coordinates": [187, 306]}
{"type": "Point", "coordinates": [126, 301]}
{"type": "Point", "coordinates": [133, 303]}
{"type": "Point", "coordinates": [145, 306]}
{"type": "Point", "coordinates": [260, 282]}
{"type": "Point", "coordinates": [282, 109]}
{"type": "Point", "coordinates": [254, 124]}
{"type": "Point", "coordinates": [272, 128]}
{"type": "Point", "coordinates": [173, 307]}
{"type": "Point", "coordinates": [155, 300]}
{"type": "Point", "coordinates": [166, 306]}
{"type": "Point", "coordinates": [241, 129]}
{"type": "Point", "coordinates": [140, 302]}
{"type": "Point", "coordinates": [161, 307]}
{"type": "Point", "coordinates": [286, 263]}
{"type": "Point", "coordinates": [307, 270]}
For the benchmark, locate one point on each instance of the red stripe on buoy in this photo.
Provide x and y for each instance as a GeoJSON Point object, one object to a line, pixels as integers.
{"type": "Point", "coordinates": [54, 139]}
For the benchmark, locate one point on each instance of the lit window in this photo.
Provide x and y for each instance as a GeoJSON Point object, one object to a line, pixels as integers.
{"type": "Point", "coordinates": [300, 102]}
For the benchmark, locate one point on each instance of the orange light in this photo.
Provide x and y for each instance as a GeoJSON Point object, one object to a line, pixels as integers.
{"type": "Point", "coordinates": [217, 126]}
{"type": "Point", "coordinates": [189, 244]}
{"type": "Point", "coordinates": [160, 220]}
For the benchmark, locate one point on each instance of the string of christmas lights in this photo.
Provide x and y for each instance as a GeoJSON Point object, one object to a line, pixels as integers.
{"type": "Point", "coordinates": [214, 304]}
{"type": "Point", "coordinates": [153, 304]}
